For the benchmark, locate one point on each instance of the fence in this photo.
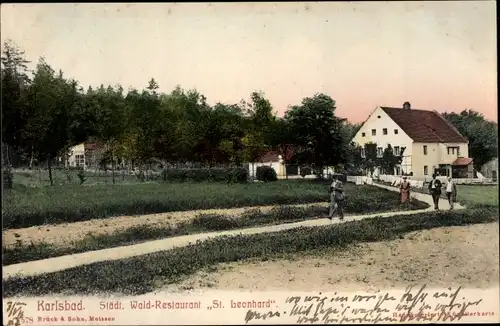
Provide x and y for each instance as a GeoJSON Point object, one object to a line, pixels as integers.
{"type": "Point", "coordinates": [396, 180]}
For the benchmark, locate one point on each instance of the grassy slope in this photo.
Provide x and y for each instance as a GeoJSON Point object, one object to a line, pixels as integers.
{"type": "Point", "coordinates": [25, 207]}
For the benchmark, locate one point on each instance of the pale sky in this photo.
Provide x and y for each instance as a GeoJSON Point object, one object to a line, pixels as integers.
{"type": "Point", "coordinates": [436, 55]}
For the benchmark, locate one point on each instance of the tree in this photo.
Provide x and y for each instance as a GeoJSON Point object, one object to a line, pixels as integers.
{"type": "Point", "coordinates": [318, 132]}
{"type": "Point", "coordinates": [282, 140]}
{"type": "Point", "coordinates": [370, 158]}
{"type": "Point", "coordinates": [50, 100]}
{"type": "Point", "coordinates": [15, 82]}
{"type": "Point", "coordinates": [111, 118]}
{"type": "Point", "coordinates": [481, 133]}
{"type": "Point", "coordinates": [389, 160]}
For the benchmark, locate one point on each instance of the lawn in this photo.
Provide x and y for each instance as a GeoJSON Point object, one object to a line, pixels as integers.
{"type": "Point", "coordinates": [26, 206]}
{"type": "Point", "coordinates": [478, 194]}
{"type": "Point", "coordinates": [469, 194]}
{"type": "Point", "coordinates": [143, 274]}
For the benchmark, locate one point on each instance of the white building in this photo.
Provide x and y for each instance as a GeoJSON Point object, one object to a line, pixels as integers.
{"type": "Point", "coordinates": [431, 143]}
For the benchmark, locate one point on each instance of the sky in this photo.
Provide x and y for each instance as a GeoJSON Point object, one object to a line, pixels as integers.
{"type": "Point", "coordinates": [436, 55]}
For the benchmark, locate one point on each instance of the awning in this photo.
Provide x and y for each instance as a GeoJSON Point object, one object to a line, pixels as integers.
{"type": "Point", "coordinates": [462, 161]}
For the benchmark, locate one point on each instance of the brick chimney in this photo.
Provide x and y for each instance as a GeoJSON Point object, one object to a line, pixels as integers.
{"type": "Point", "coordinates": [407, 106]}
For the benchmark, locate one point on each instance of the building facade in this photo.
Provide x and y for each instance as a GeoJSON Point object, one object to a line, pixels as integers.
{"type": "Point", "coordinates": [432, 144]}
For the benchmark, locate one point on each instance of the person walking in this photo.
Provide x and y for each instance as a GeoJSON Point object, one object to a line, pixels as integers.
{"type": "Point", "coordinates": [451, 192]}
{"type": "Point", "coordinates": [404, 190]}
{"type": "Point", "coordinates": [435, 190]}
{"type": "Point", "coordinates": [337, 195]}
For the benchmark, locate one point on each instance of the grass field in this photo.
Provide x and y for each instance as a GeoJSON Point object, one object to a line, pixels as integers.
{"type": "Point", "coordinates": [146, 273]}
{"type": "Point", "coordinates": [469, 194]}
{"type": "Point", "coordinates": [25, 206]}
{"type": "Point", "coordinates": [478, 195]}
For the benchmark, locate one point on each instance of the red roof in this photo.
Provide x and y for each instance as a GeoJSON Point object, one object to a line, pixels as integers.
{"type": "Point", "coordinates": [425, 126]}
{"type": "Point", "coordinates": [272, 156]}
{"type": "Point", "coordinates": [91, 146]}
{"type": "Point", "coordinates": [462, 161]}
{"type": "Point", "coordinates": [269, 157]}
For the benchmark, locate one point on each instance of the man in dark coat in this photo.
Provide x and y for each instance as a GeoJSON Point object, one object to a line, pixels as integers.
{"type": "Point", "coordinates": [337, 197]}
{"type": "Point", "coordinates": [435, 190]}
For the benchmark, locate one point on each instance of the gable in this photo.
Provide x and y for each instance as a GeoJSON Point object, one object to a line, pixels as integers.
{"type": "Point", "coordinates": [380, 120]}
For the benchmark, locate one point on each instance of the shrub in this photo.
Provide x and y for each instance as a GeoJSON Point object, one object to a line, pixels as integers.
{"type": "Point", "coordinates": [252, 213]}
{"type": "Point", "coordinates": [214, 222]}
{"type": "Point", "coordinates": [229, 175]}
{"type": "Point", "coordinates": [305, 171]}
{"type": "Point", "coordinates": [288, 213]}
{"type": "Point", "coordinates": [8, 177]}
{"type": "Point", "coordinates": [266, 173]}
{"type": "Point", "coordinates": [81, 176]}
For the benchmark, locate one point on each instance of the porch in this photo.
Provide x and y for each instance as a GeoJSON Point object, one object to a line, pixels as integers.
{"type": "Point", "coordinates": [461, 168]}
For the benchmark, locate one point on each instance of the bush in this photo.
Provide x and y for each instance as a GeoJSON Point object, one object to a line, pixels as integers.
{"type": "Point", "coordinates": [266, 173]}
{"type": "Point", "coordinates": [139, 275]}
{"type": "Point", "coordinates": [214, 222]}
{"type": "Point", "coordinates": [252, 213]}
{"type": "Point", "coordinates": [229, 175]}
{"type": "Point", "coordinates": [305, 171]}
{"type": "Point", "coordinates": [7, 178]}
{"type": "Point", "coordinates": [288, 213]}
{"type": "Point", "coordinates": [81, 176]}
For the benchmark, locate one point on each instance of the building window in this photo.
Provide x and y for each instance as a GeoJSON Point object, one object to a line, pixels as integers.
{"type": "Point", "coordinates": [454, 150]}
{"type": "Point", "coordinates": [79, 160]}
{"type": "Point", "coordinates": [396, 150]}
{"type": "Point", "coordinates": [374, 132]}
{"type": "Point", "coordinates": [395, 131]}
{"type": "Point", "coordinates": [425, 149]}
{"type": "Point", "coordinates": [384, 131]}
{"type": "Point", "coordinates": [426, 170]}
{"type": "Point", "coordinates": [378, 116]}
{"type": "Point", "coordinates": [363, 134]}
{"type": "Point", "coordinates": [363, 154]}
{"type": "Point", "coordinates": [380, 152]}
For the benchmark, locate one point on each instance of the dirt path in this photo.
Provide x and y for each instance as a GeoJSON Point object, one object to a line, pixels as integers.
{"type": "Point", "coordinates": [449, 256]}
{"type": "Point", "coordinates": [62, 234]}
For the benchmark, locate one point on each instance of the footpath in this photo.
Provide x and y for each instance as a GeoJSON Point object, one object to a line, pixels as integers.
{"type": "Point", "coordinates": [55, 264]}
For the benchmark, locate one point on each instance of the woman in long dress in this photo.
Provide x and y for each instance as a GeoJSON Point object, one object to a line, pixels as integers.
{"type": "Point", "coordinates": [405, 191]}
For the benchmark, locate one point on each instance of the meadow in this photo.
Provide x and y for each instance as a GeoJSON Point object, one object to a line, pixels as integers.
{"type": "Point", "coordinates": [33, 206]}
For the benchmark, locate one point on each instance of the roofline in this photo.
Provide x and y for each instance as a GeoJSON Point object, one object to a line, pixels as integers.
{"type": "Point", "coordinates": [383, 109]}
{"type": "Point", "coordinates": [452, 126]}
{"type": "Point", "coordinates": [369, 116]}
{"type": "Point", "coordinates": [440, 116]}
